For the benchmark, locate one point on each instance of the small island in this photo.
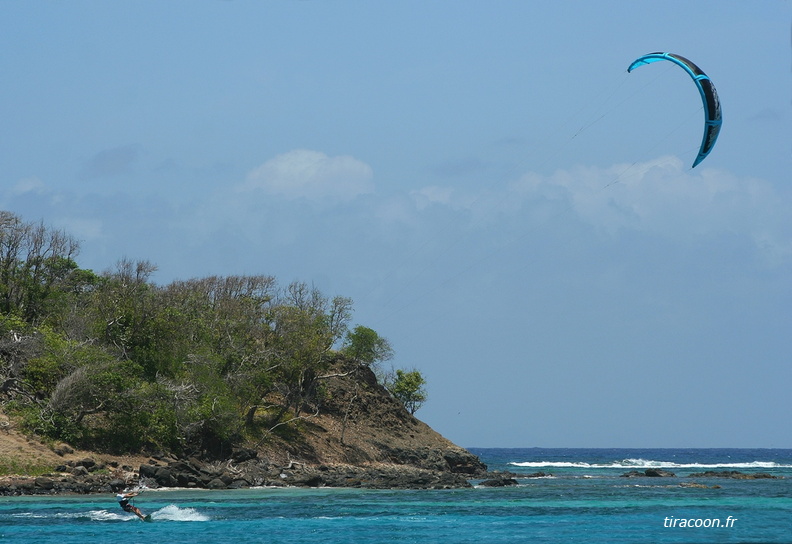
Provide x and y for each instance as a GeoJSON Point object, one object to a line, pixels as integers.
{"type": "Point", "coordinates": [109, 380]}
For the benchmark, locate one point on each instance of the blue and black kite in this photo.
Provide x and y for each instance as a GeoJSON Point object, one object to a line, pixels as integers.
{"type": "Point", "coordinates": [712, 109]}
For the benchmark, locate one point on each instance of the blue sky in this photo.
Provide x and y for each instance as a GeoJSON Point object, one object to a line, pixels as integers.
{"type": "Point", "coordinates": [502, 201]}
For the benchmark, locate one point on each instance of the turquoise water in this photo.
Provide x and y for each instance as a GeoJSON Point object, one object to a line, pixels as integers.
{"type": "Point", "coordinates": [585, 500]}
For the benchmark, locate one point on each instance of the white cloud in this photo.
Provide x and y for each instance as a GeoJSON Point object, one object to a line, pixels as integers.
{"type": "Point", "coordinates": [28, 185]}
{"type": "Point", "coordinates": [662, 197]}
{"type": "Point", "coordinates": [665, 197]}
{"type": "Point", "coordinates": [432, 195]}
{"type": "Point", "coordinates": [303, 173]}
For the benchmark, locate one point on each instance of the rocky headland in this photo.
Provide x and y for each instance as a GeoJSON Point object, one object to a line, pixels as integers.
{"type": "Point", "coordinates": [360, 437]}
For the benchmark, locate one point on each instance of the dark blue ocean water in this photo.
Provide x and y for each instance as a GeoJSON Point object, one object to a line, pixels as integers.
{"type": "Point", "coordinates": [584, 498]}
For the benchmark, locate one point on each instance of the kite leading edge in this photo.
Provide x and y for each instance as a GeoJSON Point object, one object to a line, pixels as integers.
{"type": "Point", "coordinates": [712, 109]}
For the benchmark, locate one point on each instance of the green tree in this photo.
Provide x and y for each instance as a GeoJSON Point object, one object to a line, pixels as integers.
{"type": "Point", "coordinates": [133, 319]}
{"type": "Point", "coordinates": [207, 414]}
{"type": "Point", "coordinates": [35, 262]}
{"type": "Point", "coordinates": [305, 327]}
{"type": "Point", "coordinates": [99, 405]}
{"type": "Point", "coordinates": [58, 356]}
{"type": "Point", "coordinates": [228, 320]}
{"type": "Point", "coordinates": [408, 387]}
{"type": "Point", "coordinates": [366, 346]}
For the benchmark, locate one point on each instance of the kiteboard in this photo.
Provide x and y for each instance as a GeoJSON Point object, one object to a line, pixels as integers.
{"type": "Point", "coordinates": [147, 517]}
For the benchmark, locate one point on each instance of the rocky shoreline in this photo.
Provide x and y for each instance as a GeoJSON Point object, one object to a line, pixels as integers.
{"type": "Point", "coordinates": [382, 477]}
{"type": "Point", "coordinates": [87, 476]}
{"type": "Point", "coordinates": [449, 470]}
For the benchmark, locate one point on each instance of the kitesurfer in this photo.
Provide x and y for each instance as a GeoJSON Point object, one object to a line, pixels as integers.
{"type": "Point", "coordinates": [123, 500]}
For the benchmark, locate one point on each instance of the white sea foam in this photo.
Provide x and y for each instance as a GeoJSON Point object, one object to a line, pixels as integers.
{"type": "Point", "coordinates": [104, 515]}
{"type": "Point", "coordinates": [169, 513]}
{"type": "Point", "coordinates": [92, 515]}
{"type": "Point", "coordinates": [29, 515]}
{"type": "Point", "coordinates": [648, 463]}
{"type": "Point", "coordinates": [557, 464]}
{"type": "Point", "coordinates": [174, 513]}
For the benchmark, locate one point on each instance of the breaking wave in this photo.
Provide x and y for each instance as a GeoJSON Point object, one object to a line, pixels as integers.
{"type": "Point", "coordinates": [648, 463]}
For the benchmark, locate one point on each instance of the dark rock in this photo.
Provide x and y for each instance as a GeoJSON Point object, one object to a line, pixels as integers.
{"type": "Point", "coordinates": [239, 484]}
{"type": "Point", "coordinates": [195, 463]}
{"type": "Point", "coordinates": [499, 482]}
{"type": "Point", "coordinates": [68, 484]}
{"type": "Point", "coordinates": [63, 449]}
{"type": "Point", "coordinates": [161, 475]}
{"type": "Point", "coordinates": [733, 474]}
{"type": "Point", "coordinates": [306, 480]}
{"type": "Point", "coordinates": [88, 463]}
{"type": "Point", "coordinates": [79, 471]}
{"type": "Point", "coordinates": [217, 483]}
{"type": "Point", "coordinates": [241, 455]}
{"type": "Point", "coordinates": [183, 466]}
{"type": "Point", "coordinates": [463, 462]}
{"type": "Point", "coordinates": [116, 484]}
{"type": "Point", "coordinates": [633, 474]}
{"type": "Point", "coordinates": [650, 472]}
{"type": "Point", "coordinates": [185, 473]}
{"type": "Point", "coordinates": [760, 476]}
{"type": "Point", "coordinates": [147, 471]}
{"type": "Point", "coordinates": [44, 482]}
{"type": "Point", "coordinates": [659, 473]}
{"type": "Point", "coordinates": [165, 478]}
{"type": "Point", "coordinates": [455, 461]}
{"type": "Point", "coordinates": [184, 479]}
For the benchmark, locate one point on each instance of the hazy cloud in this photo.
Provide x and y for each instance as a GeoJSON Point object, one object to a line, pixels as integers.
{"type": "Point", "coordinates": [84, 229]}
{"type": "Point", "coordinates": [460, 167]}
{"type": "Point", "coordinates": [665, 197]}
{"type": "Point", "coordinates": [432, 195]}
{"type": "Point", "coordinates": [110, 162]}
{"type": "Point", "coordinates": [28, 185]}
{"type": "Point", "coordinates": [303, 173]}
